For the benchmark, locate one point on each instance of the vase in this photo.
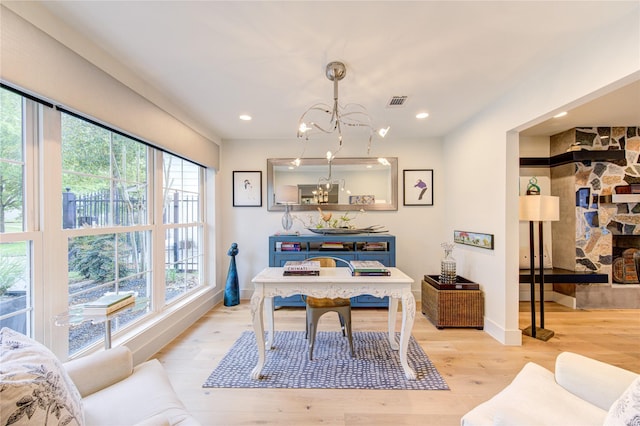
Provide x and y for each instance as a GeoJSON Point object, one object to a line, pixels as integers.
{"type": "Point", "coordinates": [448, 266]}
{"type": "Point", "coordinates": [231, 290]}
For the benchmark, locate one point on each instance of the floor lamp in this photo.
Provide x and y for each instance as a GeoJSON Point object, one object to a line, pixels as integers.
{"type": "Point", "coordinates": [287, 195]}
{"type": "Point", "coordinates": [538, 208]}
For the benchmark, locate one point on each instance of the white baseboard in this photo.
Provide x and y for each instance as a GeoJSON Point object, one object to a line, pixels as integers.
{"type": "Point", "coordinates": [147, 339]}
{"type": "Point", "coordinates": [506, 337]}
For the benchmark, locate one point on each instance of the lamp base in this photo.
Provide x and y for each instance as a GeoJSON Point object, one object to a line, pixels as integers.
{"type": "Point", "coordinates": [541, 333]}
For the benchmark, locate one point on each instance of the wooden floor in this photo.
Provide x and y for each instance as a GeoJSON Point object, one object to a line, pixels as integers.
{"type": "Point", "coordinates": [474, 365]}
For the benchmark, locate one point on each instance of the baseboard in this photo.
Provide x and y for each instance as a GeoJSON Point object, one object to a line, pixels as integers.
{"type": "Point", "coordinates": [147, 339]}
{"type": "Point", "coordinates": [564, 300]}
{"type": "Point", "coordinates": [506, 337]}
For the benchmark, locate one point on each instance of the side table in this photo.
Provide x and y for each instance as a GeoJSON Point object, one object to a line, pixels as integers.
{"type": "Point", "coordinates": [76, 316]}
{"type": "Point", "coordinates": [461, 306]}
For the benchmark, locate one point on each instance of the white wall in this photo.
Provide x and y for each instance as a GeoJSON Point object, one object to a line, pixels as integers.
{"type": "Point", "coordinates": [481, 162]}
{"type": "Point", "coordinates": [418, 229]}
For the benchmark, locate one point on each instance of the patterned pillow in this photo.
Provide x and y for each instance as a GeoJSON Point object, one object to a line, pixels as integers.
{"type": "Point", "coordinates": [34, 387]}
{"type": "Point", "coordinates": [626, 409]}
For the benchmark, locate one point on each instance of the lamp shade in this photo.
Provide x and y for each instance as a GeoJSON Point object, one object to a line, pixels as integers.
{"type": "Point", "coordinates": [539, 208]}
{"type": "Point", "coordinates": [287, 194]}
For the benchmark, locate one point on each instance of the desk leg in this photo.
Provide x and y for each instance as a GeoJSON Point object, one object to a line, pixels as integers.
{"type": "Point", "coordinates": [393, 311]}
{"type": "Point", "coordinates": [107, 334]}
{"type": "Point", "coordinates": [268, 308]}
{"type": "Point", "coordinates": [257, 302]}
{"type": "Point", "coordinates": [408, 316]}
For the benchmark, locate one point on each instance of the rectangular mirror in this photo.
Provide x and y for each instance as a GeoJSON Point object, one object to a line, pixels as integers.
{"type": "Point", "coordinates": [345, 184]}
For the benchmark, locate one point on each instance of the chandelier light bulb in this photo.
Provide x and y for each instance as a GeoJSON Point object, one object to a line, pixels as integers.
{"type": "Point", "coordinates": [302, 129]}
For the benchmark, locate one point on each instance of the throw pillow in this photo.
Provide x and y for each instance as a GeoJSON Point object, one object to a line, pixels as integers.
{"type": "Point", "coordinates": [626, 409]}
{"type": "Point", "coordinates": [34, 387]}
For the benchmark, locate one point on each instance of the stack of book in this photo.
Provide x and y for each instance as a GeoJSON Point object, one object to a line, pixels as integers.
{"type": "Point", "coordinates": [329, 245]}
{"type": "Point", "coordinates": [368, 268]}
{"type": "Point", "coordinates": [301, 267]}
{"type": "Point", "coordinates": [375, 246]}
{"type": "Point", "coordinates": [109, 303]}
{"type": "Point", "coordinates": [289, 246]}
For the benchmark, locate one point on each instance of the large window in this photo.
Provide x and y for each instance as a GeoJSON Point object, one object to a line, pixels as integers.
{"type": "Point", "coordinates": [16, 287]}
{"type": "Point", "coordinates": [106, 226]}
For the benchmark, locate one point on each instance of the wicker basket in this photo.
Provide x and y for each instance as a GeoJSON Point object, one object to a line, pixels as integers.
{"type": "Point", "coordinates": [453, 308]}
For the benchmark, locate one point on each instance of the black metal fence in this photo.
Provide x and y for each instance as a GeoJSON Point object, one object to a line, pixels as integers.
{"type": "Point", "coordinates": [99, 209]}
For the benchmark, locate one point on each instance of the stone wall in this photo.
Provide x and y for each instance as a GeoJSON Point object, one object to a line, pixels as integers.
{"type": "Point", "coordinates": [597, 218]}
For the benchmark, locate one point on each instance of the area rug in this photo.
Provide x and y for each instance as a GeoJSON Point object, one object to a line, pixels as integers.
{"type": "Point", "coordinates": [375, 365]}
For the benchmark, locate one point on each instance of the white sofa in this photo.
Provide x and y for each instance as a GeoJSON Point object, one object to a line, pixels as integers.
{"type": "Point", "coordinates": [99, 389]}
{"type": "Point", "coordinates": [583, 392]}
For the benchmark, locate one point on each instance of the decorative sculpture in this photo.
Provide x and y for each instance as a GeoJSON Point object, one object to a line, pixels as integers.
{"type": "Point", "coordinates": [231, 290]}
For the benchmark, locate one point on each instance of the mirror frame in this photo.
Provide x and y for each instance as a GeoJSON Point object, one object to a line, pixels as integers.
{"type": "Point", "coordinates": [273, 162]}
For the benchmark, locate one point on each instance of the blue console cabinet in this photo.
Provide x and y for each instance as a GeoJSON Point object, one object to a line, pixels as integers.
{"type": "Point", "coordinates": [355, 247]}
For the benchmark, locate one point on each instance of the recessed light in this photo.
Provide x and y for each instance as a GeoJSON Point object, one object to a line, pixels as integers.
{"type": "Point", "coordinates": [422, 115]}
{"type": "Point", "coordinates": [560, 114]}
{"type": "Point", "coordinates": [245, 117]}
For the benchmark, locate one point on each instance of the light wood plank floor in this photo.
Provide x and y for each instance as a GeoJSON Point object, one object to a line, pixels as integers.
{"type": "Point", "coordinates": [474, 365]}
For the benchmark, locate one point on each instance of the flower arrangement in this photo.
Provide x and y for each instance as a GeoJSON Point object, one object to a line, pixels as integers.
{"type": "Point", "coordinates": [326, 220]}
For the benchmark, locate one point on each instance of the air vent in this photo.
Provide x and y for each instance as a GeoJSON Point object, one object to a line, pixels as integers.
{"type": "Point", "coordinates": [397, 101]}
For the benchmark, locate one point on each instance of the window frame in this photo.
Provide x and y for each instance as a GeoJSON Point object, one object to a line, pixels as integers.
{"type": "Point", "coordinates": [42, 230]}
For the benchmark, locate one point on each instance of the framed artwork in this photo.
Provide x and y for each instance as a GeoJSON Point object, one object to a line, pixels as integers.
{"type": "Point", "coordinates": [247, 189]}
{"type": "Point", "coordinates": [417, 187]}
{"type": "Point", "coordinates": [474, 239]}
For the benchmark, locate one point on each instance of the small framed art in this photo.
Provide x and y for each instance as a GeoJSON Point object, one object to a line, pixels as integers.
{"type": "Point", "coordinates": [247, 189]}
{"type": "Point", "coordinates": [417, 187]}
{"type": "Point", "coordinates": [475, 239]}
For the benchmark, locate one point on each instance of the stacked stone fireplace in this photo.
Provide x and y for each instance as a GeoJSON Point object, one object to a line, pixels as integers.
{"type": "Point", "coordinates": [595, 228]}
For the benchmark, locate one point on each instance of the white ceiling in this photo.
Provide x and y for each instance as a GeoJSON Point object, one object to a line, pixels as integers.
{"type": "Point", "coordinates": [214, 60]}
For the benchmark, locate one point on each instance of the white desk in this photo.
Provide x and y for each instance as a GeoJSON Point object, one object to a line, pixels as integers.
{"type": "Point", "coordinates": [333, 282]}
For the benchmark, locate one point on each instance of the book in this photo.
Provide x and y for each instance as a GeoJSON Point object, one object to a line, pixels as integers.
{"type": "Point", "coordinates": [108, 303]}
{"type": "Point", "coordinates": [302, 265]}
{"type": "Point", "coordinates": [327, 245]}
{"type": "Point", "coordinates": [368, 268]}
{"type": "Point", "coordinates": [289, 246]}
{"type": "Point", "coordinates": [300, 273]}
{"type": "Point", "coordinates": [375, 246]}
{"type": "Point", "coordinates": [371, 274]}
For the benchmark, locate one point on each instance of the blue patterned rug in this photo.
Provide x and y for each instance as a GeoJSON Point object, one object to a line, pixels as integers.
{"type": "Point", "coordinates": [375, 366]}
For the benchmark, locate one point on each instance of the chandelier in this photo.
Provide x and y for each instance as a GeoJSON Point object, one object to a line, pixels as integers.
{"type": "Point", "coordinates": [324, 118]}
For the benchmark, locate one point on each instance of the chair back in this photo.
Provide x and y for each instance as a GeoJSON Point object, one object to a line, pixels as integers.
{"type": "Point", "coordinates": [329, 261]}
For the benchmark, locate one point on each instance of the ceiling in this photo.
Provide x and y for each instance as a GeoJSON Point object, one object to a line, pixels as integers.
{"type": "Point", "coordinates": [214, 60]}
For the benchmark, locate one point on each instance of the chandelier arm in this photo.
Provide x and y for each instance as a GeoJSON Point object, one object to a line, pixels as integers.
{"type": "Point", "coordinates": [350, 115]}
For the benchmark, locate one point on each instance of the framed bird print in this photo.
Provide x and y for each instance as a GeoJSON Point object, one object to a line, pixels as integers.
{"type": "Point", "coordinates": [247, 189]}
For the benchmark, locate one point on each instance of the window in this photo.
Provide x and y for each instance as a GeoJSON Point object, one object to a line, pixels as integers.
{"type": "Point", "coordinates": [16, 287]}
{"type": "Point", "coordinates": [104, 176]}
{"type": "Point", "coordinates": [181, 215]}
{"type": "Point", "coordinates": [106, 226]}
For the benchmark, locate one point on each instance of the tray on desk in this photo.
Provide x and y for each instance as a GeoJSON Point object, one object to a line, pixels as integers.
{"type": "Point", "coordinates": [460, 284]}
